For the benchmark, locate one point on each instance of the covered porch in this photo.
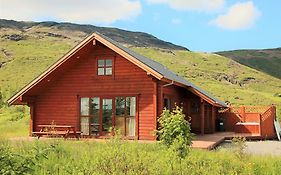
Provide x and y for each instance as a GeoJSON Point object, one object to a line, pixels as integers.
{"type": "Point", "coordinates": [200, 110]}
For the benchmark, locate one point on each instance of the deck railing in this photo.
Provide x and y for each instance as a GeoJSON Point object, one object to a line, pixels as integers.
{"type": "Point", "coordinates": [262, 115]}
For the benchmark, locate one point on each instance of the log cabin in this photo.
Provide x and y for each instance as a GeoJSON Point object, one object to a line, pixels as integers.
{"type": "Point", "coordinates": [100, 85]}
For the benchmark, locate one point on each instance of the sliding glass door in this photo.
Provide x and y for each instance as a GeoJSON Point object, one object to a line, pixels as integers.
{"type": "Point", "coordinates": [106, 114]}
{"type": "Point", "coordinates": [125, 115]}
{"type": "Point", "coordinates": [99, 114]}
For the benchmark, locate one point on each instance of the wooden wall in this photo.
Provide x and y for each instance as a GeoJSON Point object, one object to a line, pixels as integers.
{"type": "Point", "coordinates": [59, 100]}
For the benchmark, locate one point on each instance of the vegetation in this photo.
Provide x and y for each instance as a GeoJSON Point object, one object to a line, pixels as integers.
{"type": "Point", "coordinates": [174, 131]}
{"type": "Point", "coordinates": [121, 157]}
{"type": "Point", "coordinates": [267, 60]}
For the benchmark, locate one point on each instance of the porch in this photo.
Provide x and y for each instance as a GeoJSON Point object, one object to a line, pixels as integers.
{"type": "Point", "coordinates": [255, 120]}
{"type": "Point", "coordinates": [251, 122]}
{"type": "Point", "coordinates": [210, 141]}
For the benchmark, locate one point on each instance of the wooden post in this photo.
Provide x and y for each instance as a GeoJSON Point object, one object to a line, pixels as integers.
{"type": "Point", "coordinates": [213, 119]}
{"type": "Point", "coordinates": [243, 113]}
{"type": "Point", "coordinates": [155, 104]}
{"type": "Point", "coordinates": [161, 106]}
{"type": "Point", "coordinates": [260, 124]}
{"type": "Point", "coordinates": [31, 112]}
{"type": "Point", "coordinates": [202, 115]}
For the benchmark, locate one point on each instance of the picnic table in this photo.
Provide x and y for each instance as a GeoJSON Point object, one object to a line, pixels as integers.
{"type": "Point", "coordinates": [57, 130]}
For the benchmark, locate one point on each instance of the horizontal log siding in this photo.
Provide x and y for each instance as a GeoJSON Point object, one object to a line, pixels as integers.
{"type": "Point", "coordinates": [59, 102]}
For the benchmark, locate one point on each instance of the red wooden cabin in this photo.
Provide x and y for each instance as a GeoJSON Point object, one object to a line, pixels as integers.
{"type": "Point", "coordinates": [101, 84]}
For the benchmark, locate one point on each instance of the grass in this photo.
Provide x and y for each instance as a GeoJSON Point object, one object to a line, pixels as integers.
{"type": "Point", "coordinates": [268, 61]}
{"type": "Point", "coordinates": [121, 157]}
{"type": "Point", "coordinates": [13, 123]}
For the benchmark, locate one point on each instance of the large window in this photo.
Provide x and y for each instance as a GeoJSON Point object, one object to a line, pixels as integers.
{"type": "Point", "coordinates": [105, 67]}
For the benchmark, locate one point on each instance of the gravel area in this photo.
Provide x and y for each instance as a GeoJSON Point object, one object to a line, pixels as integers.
{"type": "Point", "coordinates": [264, 148]}
{"type": "Point", "coordinates": [272, 147]}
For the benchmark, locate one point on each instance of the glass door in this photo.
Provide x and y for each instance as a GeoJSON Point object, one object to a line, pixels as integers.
{"type": "Point", "coordinates": [97, 117]}
{"type": "Point", "coordinates": [125, 115]}
{"type": "Point", "coordinates": [106, 115]}
{"type": "Point", "coordinates": [94, 115]}
{"type": "Point", "coordinates": [130, 116]}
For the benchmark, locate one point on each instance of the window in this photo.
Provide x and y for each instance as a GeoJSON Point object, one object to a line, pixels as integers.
{"type": "Point", "coordinates": [105, 67]}
{"type": "Point", "coordinates": [167, 103]}
{"type": "Point", "coordinates": [195, 107]}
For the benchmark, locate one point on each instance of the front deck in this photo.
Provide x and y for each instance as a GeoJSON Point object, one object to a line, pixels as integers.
{"type": "Point", "coordinates": [210, 141]}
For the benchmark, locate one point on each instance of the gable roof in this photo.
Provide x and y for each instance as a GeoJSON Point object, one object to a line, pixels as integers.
{"type": "Point", "coordinates": [152, 67]}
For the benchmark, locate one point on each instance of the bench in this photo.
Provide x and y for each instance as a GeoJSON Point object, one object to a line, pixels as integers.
{"type": "Point", "coordinates": [57, 130]}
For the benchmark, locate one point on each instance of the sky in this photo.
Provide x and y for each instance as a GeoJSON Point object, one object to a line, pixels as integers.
{"type": "Point", "coordinates": [199, 25]}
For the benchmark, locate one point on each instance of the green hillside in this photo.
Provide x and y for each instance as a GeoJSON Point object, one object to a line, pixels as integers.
{"type": "Point", "coordinates": [24, 59]}
{"type": "Point", "coordinates": [267, 60]}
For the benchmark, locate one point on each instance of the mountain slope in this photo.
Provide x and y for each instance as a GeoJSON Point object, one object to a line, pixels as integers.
{"type": "Point", "coordinates": [70, 30]}
{"type": "Point", "coordinates": [25, 55]}
{"type": "Point", "coordinates": [267, 60]}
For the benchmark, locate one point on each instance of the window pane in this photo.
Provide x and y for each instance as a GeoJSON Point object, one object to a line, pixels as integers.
{"type": "Point", "coordinates": [119, 106]}
{"type": "Point", "coordinates": [108, 71]}
{"type": "Point", "coordinates": [94, 106]}
{"type": "Point", "coordinates": [131, 126]}
{"type": "Point", "coordinates": [84, 106]}
{"type": "Point", "coordinates": [167, 103]}
{"type": "Point", "coordinates": [108, 63]}
{"type": "Point", "coordinates": [106, 114]}
{"type": "Point", "coordinates": [95, 124]}
{"type": "Point", "coordinates": [131, 106]}
{"type": "Point", "coordinates": [100, 71]}
{"type": "Point", "coordinates": [100, 63]}
{"type": "Point", "coordinates": [84, 125]}
{"type": "Point", "coordinates": [120, 124]}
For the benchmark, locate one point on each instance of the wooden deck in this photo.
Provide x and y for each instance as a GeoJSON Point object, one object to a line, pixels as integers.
{"type": "Point", "coordinates": [210, 141]}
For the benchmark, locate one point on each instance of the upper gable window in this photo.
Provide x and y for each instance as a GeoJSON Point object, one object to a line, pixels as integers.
{"type": "Point", "coordinates": [105, 67]}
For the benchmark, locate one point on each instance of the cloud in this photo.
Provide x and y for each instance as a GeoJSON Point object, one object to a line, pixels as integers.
{"type": "Point", "coordinates": [192, 5]}
{"type": "Point", "coordinates": [239, 16]}
{"type": "Point", "coordinates": [79, 11]}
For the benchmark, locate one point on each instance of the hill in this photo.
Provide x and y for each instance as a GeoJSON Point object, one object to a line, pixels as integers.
{"type": "Point", "coordinates": [267, 60]}
{"type": "Point", "coordinates": [76, 31]}
{"type": "Point", "coordinates": [25, 53]}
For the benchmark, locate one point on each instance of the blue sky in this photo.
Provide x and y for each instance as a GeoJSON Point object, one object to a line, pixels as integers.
{"type": "Point", "coordinates": [200, 25]}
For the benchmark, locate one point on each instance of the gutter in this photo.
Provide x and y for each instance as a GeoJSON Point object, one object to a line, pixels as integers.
{"type": "Point", "coordinates": [169, 84]}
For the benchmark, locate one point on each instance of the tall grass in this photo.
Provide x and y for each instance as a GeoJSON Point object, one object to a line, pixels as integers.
{"type": "Point", "coordinates": [121, 157]}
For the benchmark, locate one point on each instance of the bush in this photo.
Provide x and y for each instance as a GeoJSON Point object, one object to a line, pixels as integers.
{"type": "Point", "coordinates": [17, 113]}
{"type": "Point", "coordinates": [13, 163]}
{"type": "Point", "coordinates": [174, 131]}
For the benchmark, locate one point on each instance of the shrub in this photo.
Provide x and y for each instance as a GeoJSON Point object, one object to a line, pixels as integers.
{"type": "Point", "coordinates": [174, 131]}
{"type": "Point", "coordinates": [13, 163]}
